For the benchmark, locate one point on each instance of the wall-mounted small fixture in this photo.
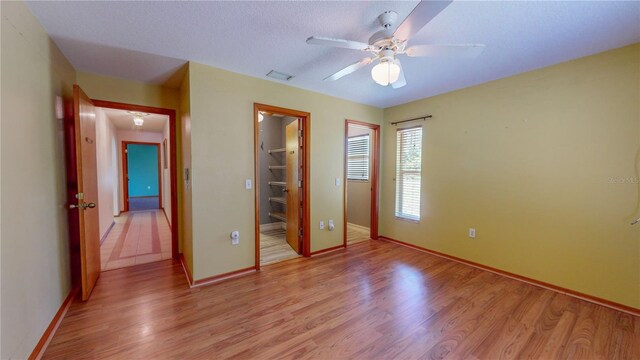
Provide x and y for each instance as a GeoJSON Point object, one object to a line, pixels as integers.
{"type": "Point", "coordinates": [260, 116]}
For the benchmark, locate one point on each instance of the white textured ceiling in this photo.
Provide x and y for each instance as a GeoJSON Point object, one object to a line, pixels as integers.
{"type": "Point", "coordinates": [123, 120]}
{"type": "Point", "coordinates": [147, 41]}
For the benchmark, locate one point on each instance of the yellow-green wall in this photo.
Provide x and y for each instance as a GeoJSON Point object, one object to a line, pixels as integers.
{"type": "Point", "coordinates": [543, 164]}
{"type": "Point", "coordinates": [128, 91]}
{"type": "Point", "coordinates": [222, 158]}
{"type": "Point", "coordinates": [35, 253]}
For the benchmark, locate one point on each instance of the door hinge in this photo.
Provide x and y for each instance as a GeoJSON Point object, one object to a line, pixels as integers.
{"type": "Point", "coordinates": [80, 196]}
{"type": "Point", "coordinates": [300, 232]}
{"type": "Point", "coordinates": [299, 133]}
{"type": "Point", "coordinates": [299, 183]}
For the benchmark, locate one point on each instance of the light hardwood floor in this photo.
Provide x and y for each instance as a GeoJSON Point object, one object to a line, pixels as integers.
{"type": "Point", "coordinates": [274, 247]}
{"type": "Point", "coordinates": [374, 300]}
{"type": "Point", "coordinates": [357, 233]}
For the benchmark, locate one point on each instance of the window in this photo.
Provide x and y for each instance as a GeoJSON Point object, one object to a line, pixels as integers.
{"type": "Point", "coordinates": [358, 158]}
{"type": "Point", "coordinates": [408, 173]}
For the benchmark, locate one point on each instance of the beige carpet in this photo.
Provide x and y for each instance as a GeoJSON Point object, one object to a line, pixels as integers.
{"type": "Point", "coordinates": [274, 247]}
{"type": "Point", "coordinates": [356, 233]}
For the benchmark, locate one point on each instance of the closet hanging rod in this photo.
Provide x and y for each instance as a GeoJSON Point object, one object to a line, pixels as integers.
{"type": "Point", "coordinates": [414, 119]}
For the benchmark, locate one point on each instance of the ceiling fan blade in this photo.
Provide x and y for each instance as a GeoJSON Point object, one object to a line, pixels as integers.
{"type": "Point", "coordinates": [401, 79]}
{"type": "Point", "coordinates": [349, 69]}
{"type": "Point", "coordinates": [341, 43]}
{"type": "Point", "coordinates": [424, 12]}
{"type": "Point", "coordinates": [461, 51]}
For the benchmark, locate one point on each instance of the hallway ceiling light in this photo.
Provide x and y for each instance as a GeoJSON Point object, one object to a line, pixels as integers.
{"type": "Point", "coordinates": [138, 117]}
{"type": "Point", "coordinates": [138, 121]}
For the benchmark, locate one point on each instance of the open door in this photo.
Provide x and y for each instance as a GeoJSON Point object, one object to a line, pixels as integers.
{"type": "Point", "coordinates": [83, 189]}
{"type": "Point", "coordinates": [293, 185]}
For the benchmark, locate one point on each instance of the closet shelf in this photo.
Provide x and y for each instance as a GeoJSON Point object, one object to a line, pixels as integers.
{"type": "Point", "coordinates": [278, 215]}
{"type": "Point", "coordinates": [280, 200]}
{"type": "Point", "coordinates": [277, 167]}
{"type": "Point", "coordinates": [277, 183]}
{"type": "Point", "coordinates": [273, 151]}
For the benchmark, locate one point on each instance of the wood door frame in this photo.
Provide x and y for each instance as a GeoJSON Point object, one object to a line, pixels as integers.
{"type": "Point", "coordinates": [125, 171]}
{"type": "Point", "coordinates": [305, 196]}
{"type": "Point", "coordinates": [173, 168]}
{"type": "Point", "coordinates": [375, 177]}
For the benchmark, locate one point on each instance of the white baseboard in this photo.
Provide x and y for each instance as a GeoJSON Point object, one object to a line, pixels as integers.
{"type": "Point", "coordinates": [273, 226]}
{"type": "Point", "coordinates": [359, 227]}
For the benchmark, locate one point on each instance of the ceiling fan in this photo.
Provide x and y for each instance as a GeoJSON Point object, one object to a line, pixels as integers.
{"type": "Point", "coordinates": [386, 45]}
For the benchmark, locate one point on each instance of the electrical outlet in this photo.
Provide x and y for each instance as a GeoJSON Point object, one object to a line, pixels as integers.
{"type": "Point", "coordinates": [321, 225]}
{"type": "Point", "coordinates": [472, 233]}
{"type": "Point", "coordinates": [235, 237]}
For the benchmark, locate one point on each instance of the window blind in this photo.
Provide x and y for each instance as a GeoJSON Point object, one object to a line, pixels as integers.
{"type": "Point", "coordinates": [408, 172]}
{"type": "Point", "coordinates": [358, 157]}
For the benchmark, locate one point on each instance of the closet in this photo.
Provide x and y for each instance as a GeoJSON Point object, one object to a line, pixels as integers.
{"type": "Point", "coordinates": [279, 151]}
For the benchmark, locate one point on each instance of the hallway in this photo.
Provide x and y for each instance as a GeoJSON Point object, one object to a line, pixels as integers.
{"type": "Point", "coordinates": [137, 237]}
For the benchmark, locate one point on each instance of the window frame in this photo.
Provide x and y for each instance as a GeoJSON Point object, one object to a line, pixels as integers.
{"type": "Point", "coordinates": [366, 157]}
{"type": "Point", "coordinates": [398, 178]}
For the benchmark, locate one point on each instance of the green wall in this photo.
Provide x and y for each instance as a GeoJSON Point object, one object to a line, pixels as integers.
{"type": "Point", "coordinates": [142, 167]}
{"type": "Point", "coordinates": [544, 165]}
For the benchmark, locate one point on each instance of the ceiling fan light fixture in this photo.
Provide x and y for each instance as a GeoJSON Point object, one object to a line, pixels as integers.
{"type": "Point", "coordinates": [385, 73]}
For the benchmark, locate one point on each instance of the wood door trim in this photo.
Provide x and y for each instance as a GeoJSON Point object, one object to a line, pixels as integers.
{"type": "Point", "coordinates": [306, 185]}
{"type": "Point", "coordinates": [125, 172]}
{"type": "Point", "coordinates": [173, 168]}
{"type": "Point", "coordinates": [375, 178]}
{"type": "Point", "coordinates": [187, 271]}
{"type": "Point", "coordinates": [528, 280]}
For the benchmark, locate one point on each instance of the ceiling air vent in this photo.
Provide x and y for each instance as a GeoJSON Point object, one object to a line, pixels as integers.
{"type": "Point", "coordinates": [280, 76]}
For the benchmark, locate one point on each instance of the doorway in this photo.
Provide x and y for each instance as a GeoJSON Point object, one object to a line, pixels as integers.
{"type": "Point", "coordinates": [142, 180]}
{"type": "Point", "coordinates": [361, 174]}
{"type": "Point", "coordinates": [140, 228]}
{"type": "Point", "coordinates": [87, 196]}
{"type": "Point", "coordinates": [281, 184]}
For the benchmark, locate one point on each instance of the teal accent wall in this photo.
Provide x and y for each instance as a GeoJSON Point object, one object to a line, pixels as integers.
{"type": "Point", "coordinates": [142, 161]}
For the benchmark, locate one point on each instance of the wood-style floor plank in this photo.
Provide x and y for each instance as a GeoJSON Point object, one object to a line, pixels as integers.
{"type": "Point", "coordinates": [375, 300]}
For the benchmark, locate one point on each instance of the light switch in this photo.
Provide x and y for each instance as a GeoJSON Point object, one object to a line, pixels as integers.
{"type": "Point", "coordinates": [331, 226]}
{"type": "Point", "coordinates": [321, 225]}
{"type": "Point", "coordinates": [337, 181]}
{"type": "Point", "coordinates": [247, 184]}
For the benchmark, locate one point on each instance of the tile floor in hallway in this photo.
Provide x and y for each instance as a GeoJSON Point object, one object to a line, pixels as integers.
{"type": "Point", "coordinates": [137, 237]}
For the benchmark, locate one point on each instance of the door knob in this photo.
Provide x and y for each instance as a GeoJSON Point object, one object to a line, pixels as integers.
{"type": "Point", "coordinates": [82, 205]}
